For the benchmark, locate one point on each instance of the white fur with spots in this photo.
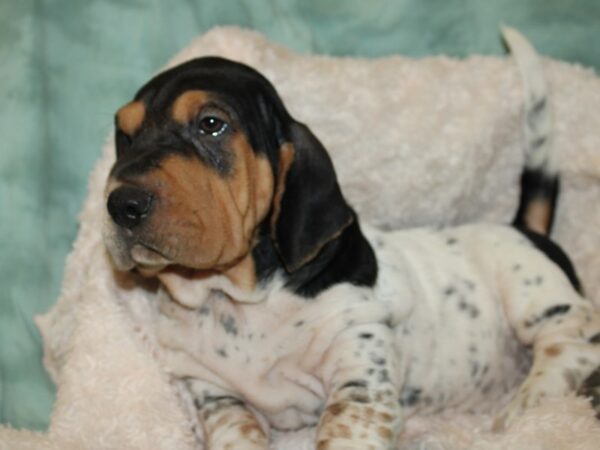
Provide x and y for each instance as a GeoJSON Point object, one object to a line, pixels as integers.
{"type": "Point", "coordinates": [449, 324]}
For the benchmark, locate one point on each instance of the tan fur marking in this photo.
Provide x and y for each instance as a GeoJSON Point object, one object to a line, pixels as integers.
{"type": "Point", "coordinates": [222, 421]}
{"type": "Point", "coordinates": [537, 216]}
{"type": "Point", "coordinates": [385, 417]}
{"type": "Point", "coordinates": [187, 105]}
{"type": "Point", "coordinates": [553, 350]}
{"type": "Point", "coordinates": [251, 428]}
{"type": "Point", "coordinates": [205, 220]}
{"type": "Point", "coordinates": [243, 274]}
{"type": "Point", "coordinates": [337, 408]}
{"type": "Point", "coordinates": [343, 431]}
{"type": "Point", "coordinates": [286, 158]}
{"type": "Point", "coordinates": [251, 182]}
{"type": "Point", "coordinates": [130, 117]}
{"type": "Point", "coordinates": [385, 433]}
{"type": "Point", "coordinates": [323, 445]}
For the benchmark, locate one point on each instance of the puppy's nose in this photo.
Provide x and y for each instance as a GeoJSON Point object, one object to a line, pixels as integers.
{"type": "Point", "coordinates": [129, 206]}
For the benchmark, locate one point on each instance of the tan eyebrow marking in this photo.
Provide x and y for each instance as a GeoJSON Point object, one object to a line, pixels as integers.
{"type": "Point", "coordinates": [187, 105]}
{"type": "Point", "coordinates": [131, 116]}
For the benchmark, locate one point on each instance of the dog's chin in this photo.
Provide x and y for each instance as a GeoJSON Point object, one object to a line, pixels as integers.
{"type": "Point", "coordinates": [127, 255]}
{"type": "Point", "coordinates": [148, 261]}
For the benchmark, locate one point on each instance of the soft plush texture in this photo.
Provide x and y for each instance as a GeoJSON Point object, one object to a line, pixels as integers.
{"type": "Point", "coordinates": [67, 65]}
{"type": "Point", "coordinates": [414, 142]}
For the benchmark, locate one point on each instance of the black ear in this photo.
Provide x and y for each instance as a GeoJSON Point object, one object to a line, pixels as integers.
{"type": "Point", "coordinates": [310, 209]}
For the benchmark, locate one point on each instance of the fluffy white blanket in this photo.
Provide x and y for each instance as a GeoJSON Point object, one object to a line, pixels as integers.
{"type": "Point", "coordinates": [431, 141]}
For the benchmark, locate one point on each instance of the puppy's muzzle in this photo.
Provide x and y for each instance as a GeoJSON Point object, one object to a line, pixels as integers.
{"type": "Point", "coordinates": [129, 206]}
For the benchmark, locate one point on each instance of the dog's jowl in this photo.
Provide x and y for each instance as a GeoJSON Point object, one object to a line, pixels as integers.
{"type": "Point", "coordinates": [280, 309]}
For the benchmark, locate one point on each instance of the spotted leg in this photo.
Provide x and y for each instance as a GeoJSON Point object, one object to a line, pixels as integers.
{"type": "Point", "coordinates": [362, 410]}
{"type": "Point", "coordinates": [564, 331]}
{"type": "Point", "coordinates": [226, 421]}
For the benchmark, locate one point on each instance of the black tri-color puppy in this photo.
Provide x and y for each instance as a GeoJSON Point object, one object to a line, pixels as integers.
{"type": "Point", "coordinates": [280, 310]}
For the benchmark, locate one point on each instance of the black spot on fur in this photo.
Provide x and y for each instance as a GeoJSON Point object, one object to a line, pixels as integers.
{"type": "Point", "coordinates": [388, 322]}
{"type": "Point", "coordinates": [470, 309]}
{"type": "Point", "coordinates": [487, 388]}
{"type": "Point", "coordinates": [449, 291]}
{"type": "Point", "coordinates": [555, 310]}
{"type": "Point", "coordinates": [299, 323]}
{"type": "Point", "coordinates": [228, 323]}
{"type": "Point", "coordinates": [359, 397]}
{"type": "Point", "coordinates": [595, 339]}
{"type": "Point", "coordinates": [554, 253]}
{"type": "Point", "coordinates": [384, 376]}
{"type": "Point", "coordinates": [410, 396]}
{"type": "Point", "coordinates": [474, 368]}
{"type": "Point", "coordinates": [539, 142]}
{"type": "Point", "coordinates": [550, 312]}
{"type": "Point", "coordinates": [470, 285]}
{"type": "Point", "coordinates": [354, 384]}
{"type": "Point", "coordinates": [376, 359]}
{"type": "Point", "coordinates": [365, 335]}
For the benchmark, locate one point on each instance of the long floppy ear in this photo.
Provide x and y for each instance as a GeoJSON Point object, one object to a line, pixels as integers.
{"type": "Point", "coordinates": [309, 210]}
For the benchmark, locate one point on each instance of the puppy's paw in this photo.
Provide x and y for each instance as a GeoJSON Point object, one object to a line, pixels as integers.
{"type": "Point", "coordinates": [527, 397]}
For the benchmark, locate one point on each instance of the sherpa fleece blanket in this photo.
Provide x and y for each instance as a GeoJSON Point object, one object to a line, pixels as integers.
{"type": "Point", "coordinates": [432, 141]}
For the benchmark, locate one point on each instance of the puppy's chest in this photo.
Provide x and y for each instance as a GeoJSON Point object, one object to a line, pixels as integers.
{"type": "Point", "coordinates": [269, 353]}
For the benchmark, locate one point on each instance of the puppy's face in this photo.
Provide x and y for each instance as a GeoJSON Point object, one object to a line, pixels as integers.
{"type": "Point", "coordinates": [203, 156]}
{"type": "Point", "coordinates": [192, 179]}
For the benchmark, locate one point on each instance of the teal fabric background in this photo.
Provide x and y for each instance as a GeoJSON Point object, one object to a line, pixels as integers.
{"type": "Point", "coordinates": [67, 65]}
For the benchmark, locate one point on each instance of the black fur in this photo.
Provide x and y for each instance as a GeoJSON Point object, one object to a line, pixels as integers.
{"type": "Point", "coordinates": [348, 258]}
{"type": "Point", "coordinates": [313, 210]}
{"type": "Point", "coordinates": [555, 254]}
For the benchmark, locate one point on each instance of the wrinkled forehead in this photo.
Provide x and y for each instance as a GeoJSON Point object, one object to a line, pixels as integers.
{"type": "Point", "coordinates": [239, 86]}
{"type": "Point", "coordinates": [178, 94]}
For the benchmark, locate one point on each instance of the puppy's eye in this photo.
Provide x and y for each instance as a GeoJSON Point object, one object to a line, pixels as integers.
{"type": "Point", "coordinates": [212, 125]}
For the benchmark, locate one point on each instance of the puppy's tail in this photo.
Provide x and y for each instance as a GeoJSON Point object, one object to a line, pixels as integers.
{"type": "Point", "coordinates": [539, 180]}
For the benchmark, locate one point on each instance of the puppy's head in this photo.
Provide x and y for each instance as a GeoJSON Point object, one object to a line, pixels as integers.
{"type": "Point", "coordinates": [208, 159]}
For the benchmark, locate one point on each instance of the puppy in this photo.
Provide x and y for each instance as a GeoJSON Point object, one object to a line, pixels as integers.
{"type": "Point", "coordinates": [279, 309]}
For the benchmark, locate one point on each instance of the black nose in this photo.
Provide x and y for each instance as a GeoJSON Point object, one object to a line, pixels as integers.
{"type": "Point", "coordinates": [129, 206]}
